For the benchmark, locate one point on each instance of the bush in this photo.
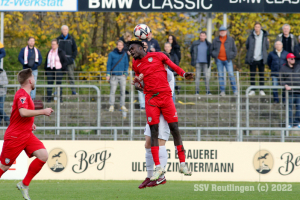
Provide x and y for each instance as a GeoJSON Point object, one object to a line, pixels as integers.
{"type": "Point", "coordinates": [11, 62]}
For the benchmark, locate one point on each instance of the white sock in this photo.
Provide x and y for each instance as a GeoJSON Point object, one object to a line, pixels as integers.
{"type": "Point", "coordinates": [163, 157]}
{"type": "Point", "coordinates": [149, 163]}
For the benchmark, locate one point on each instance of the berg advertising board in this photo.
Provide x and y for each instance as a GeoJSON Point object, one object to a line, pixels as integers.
{"type": "Point", "coordinates": [209, 161]}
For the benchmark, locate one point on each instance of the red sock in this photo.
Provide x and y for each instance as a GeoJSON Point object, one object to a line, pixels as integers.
{"type": "Point", "coordinates": [34, 168]}
{"type": "Point", "coordinates": [180, 152]}
{"type": "Point", "coordinates": [1, 172]}
{"type": "Point", "coordinates": [155, 154]}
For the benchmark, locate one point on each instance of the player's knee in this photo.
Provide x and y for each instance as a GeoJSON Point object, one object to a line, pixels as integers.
{"type": "Point", "coordinates": [173, 126]}
{"type": "Point", "coordinates": [154, 131]}
{"type": "Point", "coordinates": [44, 156]}
{"type": "Point", "coordinates": [4, 167]}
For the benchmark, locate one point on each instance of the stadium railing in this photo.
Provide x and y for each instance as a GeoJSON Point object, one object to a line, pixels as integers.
{"type": "Point", "coordinates": [203, 111]}
{"type": "Point", "coordinates": [198, 133]}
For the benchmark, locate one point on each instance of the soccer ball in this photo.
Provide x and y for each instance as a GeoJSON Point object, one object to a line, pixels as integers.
{"type": "Point", "coordinates": [141, 31]}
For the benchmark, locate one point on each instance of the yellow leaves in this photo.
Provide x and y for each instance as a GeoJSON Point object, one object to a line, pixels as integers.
{"type": "Point", "coordinates": [96, 64]}
{"type": "Point", "coordinates": [182, 15]}
{"type": "Point", "coordinates": [44, 37]}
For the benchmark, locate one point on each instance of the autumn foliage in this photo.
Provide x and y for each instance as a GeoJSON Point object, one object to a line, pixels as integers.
{"type": "Point", "coordinates": [96, 33]}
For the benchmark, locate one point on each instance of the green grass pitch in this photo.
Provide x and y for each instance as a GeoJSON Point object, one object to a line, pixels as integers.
{"type": "Point", "coordinates": [86, 190]}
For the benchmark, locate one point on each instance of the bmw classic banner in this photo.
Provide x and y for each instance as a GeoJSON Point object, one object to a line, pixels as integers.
{"type": "Point", "coordinates": [255, 6]}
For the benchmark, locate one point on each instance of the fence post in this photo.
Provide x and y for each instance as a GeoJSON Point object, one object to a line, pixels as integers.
{"type": "Point", "coordinates": [199, 135]}
{"type": "Point", "coordinates": [73, 134]}
{"type": "Point", "coordinates": [131, 107]}
{"type": "Point", "coordinates": [58, 110]}
{"type": "Point", "coordinates": [241, 135]}
{"type": "Point", "coordinates": [287, 111]}
{"type": "Point", "coordinates": [115, 135]}
{"type": "Point", "coordinates": [98, 110]}
{"type": "Point", "coordinates": [282, 136]}
{"type": "Point", "coordinates": [238, 105]}
{"type": "Point", "coordinates": [247, 110]}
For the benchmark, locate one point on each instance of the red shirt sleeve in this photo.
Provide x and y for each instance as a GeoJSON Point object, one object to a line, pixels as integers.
{"type": "Point", "coordinates": [134, 68]}
{"type": "Point", "coordinates": [22, 102]}
{"type": "Point", "coordinates": [176, 68]}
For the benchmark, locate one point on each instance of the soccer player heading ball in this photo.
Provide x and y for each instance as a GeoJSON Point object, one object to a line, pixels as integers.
{"type": "Point", "coordinates": [163, 137]}
{"type": "Point", "coordinates": [19, 136]}
{"type": "Point", "coordinates": [158, 99]}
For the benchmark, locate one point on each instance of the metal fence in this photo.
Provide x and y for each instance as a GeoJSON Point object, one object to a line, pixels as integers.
{"type": "Point", "coordinates": [214, 114]}
{"type": "Point", "coordinates": [198, 134]}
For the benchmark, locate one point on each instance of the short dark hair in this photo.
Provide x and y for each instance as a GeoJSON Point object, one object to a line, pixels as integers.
{"type": "Point", "coordinates": [257, 23]}
{"type": "Point", "coordinates": [168, 55]}
{"type": "Point", "coordinates": [136, 42]}
{"type": "Point", "coordinates": [31, 37]}
{"type": "Point", "coordinates": [23, 75]}
{"type": "Point", "coordinates": [203, 32]}
{"type": "Point", "coordinates": [54, 40]}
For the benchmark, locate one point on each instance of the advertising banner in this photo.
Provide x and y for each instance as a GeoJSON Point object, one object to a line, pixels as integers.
{"type": "Point", "coordinates": [228, 6]}
{"type": "Point", "coordinates": [209, 161]}
{"type": "Point", "coordinates": [38, 5]}
{"type": "Point", "coordinates": [256, 6]}
{"type": "Point", "coordinates": [19, 168]}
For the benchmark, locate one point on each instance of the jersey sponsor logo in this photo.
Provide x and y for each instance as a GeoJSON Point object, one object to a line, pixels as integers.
{"type": "Point", "coordinates": [150, 59]}
{"type": "Point", "coordinates": [22, 99]}
{"type": "Point", "coordinates": [149, 119]}
{"type": "Point", "coordinates": [7, 160]}
{"type": "Point", "coordinates": [57, 161]}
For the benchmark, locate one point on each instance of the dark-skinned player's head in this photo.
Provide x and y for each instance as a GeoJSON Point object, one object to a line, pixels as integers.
{"type": "Point", "coordinates": [136, 49]}
{"type": "Point", "coordinates": [25, 77]}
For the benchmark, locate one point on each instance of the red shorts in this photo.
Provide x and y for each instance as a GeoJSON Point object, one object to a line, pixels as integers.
{"type": "Point", "coordinates": [162, 103]}
{"type": "Point", "coordinates": [13, 147]}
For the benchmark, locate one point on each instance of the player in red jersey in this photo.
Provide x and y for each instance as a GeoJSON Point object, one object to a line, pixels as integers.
{"type": "Point", "coordinates": [158, 99]}
{"type": "Point", "coordinates": [19, 136]}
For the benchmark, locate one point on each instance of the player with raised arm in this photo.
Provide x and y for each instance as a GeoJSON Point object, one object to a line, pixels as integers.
{"type": "Point", "coordinates": [19, 136]}
{"type": "Point", "coordinates": [158, 99]}
{"type": "Point", "coordinates": [163, 136]}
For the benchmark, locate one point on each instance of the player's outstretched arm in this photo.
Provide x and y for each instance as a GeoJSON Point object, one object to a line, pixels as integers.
{"type": "Point", "coordinates": [32, 113]}
{"type": "Point", "coordinates": [172, 65]}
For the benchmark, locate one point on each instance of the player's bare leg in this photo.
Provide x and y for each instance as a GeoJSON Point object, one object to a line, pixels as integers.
{"type": "Point", "coordinates": [179, 148]}
{"type": "Point", "coordinates": [155, 152]}
{"type": "Point", "coordinates": [34, 168]}
{"type": "Point", "coordinates": [3, 169]}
